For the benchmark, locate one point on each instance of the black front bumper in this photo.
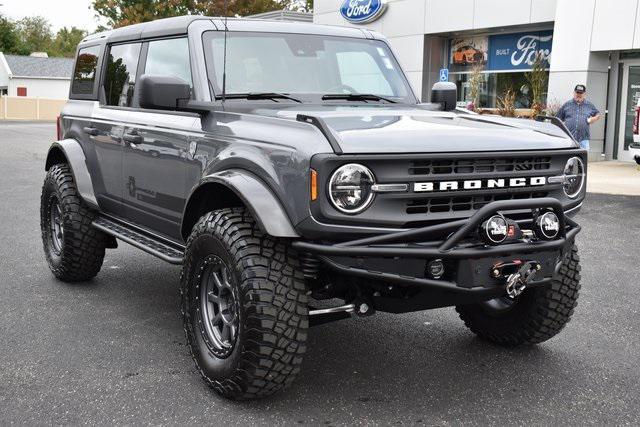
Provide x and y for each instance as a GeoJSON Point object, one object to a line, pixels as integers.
{"type": "Point", "coordinates": [472, 261]}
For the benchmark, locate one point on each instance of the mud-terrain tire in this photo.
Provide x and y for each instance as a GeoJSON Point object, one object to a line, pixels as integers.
{"type": "Point", "coordinates": [75, 251]}
{"type": "Point", "coordinates": [265, 309]}
{"type": "Point", "coordinates": [534, 316]}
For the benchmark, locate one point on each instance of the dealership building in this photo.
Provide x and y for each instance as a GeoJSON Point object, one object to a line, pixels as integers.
{"type": "Point", "coordinates": [591, 42]}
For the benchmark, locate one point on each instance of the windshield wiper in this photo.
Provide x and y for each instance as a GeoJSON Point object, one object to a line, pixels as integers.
{"type": "Point", "coordinates": [356, 97]}
{"type": "Point", "coordinates": [259, 95]}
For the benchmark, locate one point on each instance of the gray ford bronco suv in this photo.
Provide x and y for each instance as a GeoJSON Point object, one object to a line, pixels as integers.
{"type": "Point", "coordinates": [292, 173]}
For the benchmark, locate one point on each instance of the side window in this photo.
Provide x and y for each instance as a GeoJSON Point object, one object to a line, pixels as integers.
{"type": "Point", "coordinates": [360, 71]}
{"type": "Point", "coordinates": [120, 76]}
{"type": "Point", "coordinates": [84, 75]}
{"type": "Point", "coordinates": [169, 58]}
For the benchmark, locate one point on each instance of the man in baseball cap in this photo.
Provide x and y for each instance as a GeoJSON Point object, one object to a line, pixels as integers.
{"type": "Point", "coordinates": [578, 114]}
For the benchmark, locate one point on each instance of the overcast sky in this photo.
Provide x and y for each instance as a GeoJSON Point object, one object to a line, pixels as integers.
{"type": "Point", "coordinates": [60, 13]}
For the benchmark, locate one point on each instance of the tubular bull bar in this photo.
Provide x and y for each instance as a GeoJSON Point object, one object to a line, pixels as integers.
{"type": "Point", "coordinates": [419, 243]}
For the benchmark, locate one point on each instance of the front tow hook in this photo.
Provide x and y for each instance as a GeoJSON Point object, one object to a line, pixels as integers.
{"type": "Point", "coordinates": [518, 274]}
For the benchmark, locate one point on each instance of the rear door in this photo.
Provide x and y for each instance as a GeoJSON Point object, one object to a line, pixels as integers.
{"type": "Point", "coordinates": [100, 143]}
{"type": "Point", "coordinates": [158, 146]}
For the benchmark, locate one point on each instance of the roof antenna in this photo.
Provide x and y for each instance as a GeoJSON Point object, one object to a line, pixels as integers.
{"type": "Point", "coordinates": [224, 58]}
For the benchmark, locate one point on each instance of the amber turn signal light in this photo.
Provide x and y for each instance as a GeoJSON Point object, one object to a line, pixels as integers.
{"type": "Point", "coordinates": [314, 184]}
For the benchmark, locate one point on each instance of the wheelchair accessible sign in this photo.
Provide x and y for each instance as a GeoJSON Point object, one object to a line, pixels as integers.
{"type": "Point", "coordinates": [444, 74]}
{"type": "Point", "coordinates": [362, 11]}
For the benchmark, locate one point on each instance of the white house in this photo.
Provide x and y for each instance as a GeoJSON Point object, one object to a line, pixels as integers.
{"type": "Point", "coordinates": [35, 76]}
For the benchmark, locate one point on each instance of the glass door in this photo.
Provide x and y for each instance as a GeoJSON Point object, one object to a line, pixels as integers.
{"type": "Point", "coordinates": [629, 99]}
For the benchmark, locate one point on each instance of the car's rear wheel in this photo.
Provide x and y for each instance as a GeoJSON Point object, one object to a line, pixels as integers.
{"type": "Point", "coordinates": [73, 248]}
{"type": "Point", "coordinates": [534, 316]}
{"type": "Point", "coordinates": [244, 305]}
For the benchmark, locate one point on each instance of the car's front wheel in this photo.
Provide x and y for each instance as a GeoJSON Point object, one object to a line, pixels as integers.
{"type": "Point", "coordinates": [532, 317]}
{"type": "Point", "coordinates": [244, 306]}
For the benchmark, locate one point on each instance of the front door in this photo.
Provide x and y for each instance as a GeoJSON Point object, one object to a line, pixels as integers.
{"type": "Point", "coordinates": [154, 170]}
{"type": "Point", "coordinates": [629, 99]}
{"type": "Point", "coordinates": [157, 147]}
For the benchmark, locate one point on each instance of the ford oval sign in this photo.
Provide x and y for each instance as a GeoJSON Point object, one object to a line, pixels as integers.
{"type": "Point", "coordinates": [362, 11]}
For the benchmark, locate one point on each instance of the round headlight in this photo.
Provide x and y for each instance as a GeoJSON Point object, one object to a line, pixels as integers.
{"type": "Point", "coordinates": [350, 188]}
{"type": "Point", "coordinates": [574, 177]}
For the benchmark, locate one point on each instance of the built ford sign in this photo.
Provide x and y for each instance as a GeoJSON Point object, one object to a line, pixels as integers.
{"type": "Point", "coordinates": [518, 51]}
{"type": "Point", "coordinates": [362, 11]}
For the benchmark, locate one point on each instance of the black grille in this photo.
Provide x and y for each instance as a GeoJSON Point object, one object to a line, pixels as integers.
{"type": "Point", "coordinates": [465, 203]}
{"type": "Point", "coordinates": [479, 165]}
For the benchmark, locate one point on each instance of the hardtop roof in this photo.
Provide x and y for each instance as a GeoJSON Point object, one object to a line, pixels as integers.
{"type": "Point", "coordinates": [179, 25]}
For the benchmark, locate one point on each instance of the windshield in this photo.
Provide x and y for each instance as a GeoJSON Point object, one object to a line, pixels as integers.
{"type": "Point", "coordinates": [301, 64]}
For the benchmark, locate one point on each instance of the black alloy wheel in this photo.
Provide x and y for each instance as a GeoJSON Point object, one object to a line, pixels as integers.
{"type": "Point", "coordinates": [219, 309]}
{"type": "Point", "coordinates": [56, 226]}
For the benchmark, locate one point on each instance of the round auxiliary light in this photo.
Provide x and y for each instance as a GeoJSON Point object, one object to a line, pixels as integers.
{"type": "Point", "coordinates": [494, 230]}
{"type": "Point", "coordinates": [574, 177]}
{"type": "Point", "coordinates": [350, 188]}
{"type": "Point", "coordinates": [547, 225]}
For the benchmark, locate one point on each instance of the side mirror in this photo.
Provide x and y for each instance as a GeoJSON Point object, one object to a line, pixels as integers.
{"type": "Point", "coordinates": [163, 92]}
{"type": "Point", "coordinates": [446, 94]}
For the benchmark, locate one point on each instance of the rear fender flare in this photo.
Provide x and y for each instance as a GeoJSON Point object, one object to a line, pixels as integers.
{"type": "Point", "coordinates": [70, 151]}
{"type": "Point", "coordinates": [264, 206]}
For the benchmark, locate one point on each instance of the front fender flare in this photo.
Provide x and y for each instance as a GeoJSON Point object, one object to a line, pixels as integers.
{"type": "Point", "coordinates": [257, 197]}
{"type": "Point", "coordinates": [70, 150]}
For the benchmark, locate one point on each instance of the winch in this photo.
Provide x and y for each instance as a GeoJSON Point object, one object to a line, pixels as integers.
{"type": "Point", "coordinates": [518, 274]}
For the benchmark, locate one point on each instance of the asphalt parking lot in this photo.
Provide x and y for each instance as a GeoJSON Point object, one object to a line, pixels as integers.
{"type": "Point", "coordinates": [113, 350]}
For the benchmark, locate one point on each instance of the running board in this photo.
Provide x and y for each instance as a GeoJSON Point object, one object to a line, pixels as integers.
{"type": "Point", "coordinates": [140, 240]}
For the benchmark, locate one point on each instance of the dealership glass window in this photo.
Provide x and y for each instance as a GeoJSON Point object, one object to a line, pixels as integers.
{"type": "Point", "coordinates": [495, 85]}
{"type": "Point", "coordinates": [84, 74]}
{"type": "Point", "coordinates": [633, 95]}
{"type": "Point", "coordinates": [121, 74]}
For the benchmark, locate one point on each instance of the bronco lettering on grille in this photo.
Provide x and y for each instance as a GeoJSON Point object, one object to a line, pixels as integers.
{"type": "Point", "coordinates": [477, 184]}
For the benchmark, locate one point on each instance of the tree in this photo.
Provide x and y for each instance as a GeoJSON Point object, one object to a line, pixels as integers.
{"type": "Point", "coordinates": [66, 41]}
{"type": "Point", "coordinates": [238, 7]}
{"type": "Point", "coordinates": [301, 5]}
{"type": "Point", "coordinates": [10, 37]}
{"type": "Point", "coordinates": [476, 81]}
{"type": "Point", "coordinates": [126, 12]}
{"type": "Point", "coordinates": [537, 79]}
{"type": "Point", "coordinates": [506, 104]}
{"type": "Point", "coordinates": [35, 34]}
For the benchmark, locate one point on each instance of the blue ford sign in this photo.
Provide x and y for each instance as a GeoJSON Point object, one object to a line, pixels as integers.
{"type": "Point", "coordinates": [362, 11]}
{"type": "Point", "coordinates": [518, 51]}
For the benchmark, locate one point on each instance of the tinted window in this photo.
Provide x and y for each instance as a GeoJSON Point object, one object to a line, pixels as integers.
{"type": "Point", "coordinates": [169, 58]}
{"type": "Point", "coordinates": [120, 78]}
{"type": "Point", "coordinates": [84, 74]}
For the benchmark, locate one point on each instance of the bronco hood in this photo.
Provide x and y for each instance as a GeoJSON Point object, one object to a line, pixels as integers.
{"type": "Point", "coordinates": [399, 129]}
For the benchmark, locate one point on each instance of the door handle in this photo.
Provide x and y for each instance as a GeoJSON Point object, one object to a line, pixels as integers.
{"type": "Point", "coordinates": [91, 130]}
{"type": "Point", "coordinates": [132, 138]}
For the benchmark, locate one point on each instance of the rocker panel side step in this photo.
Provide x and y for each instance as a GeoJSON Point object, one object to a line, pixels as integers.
{"type": "Point", "coordinates": [140, 240]}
